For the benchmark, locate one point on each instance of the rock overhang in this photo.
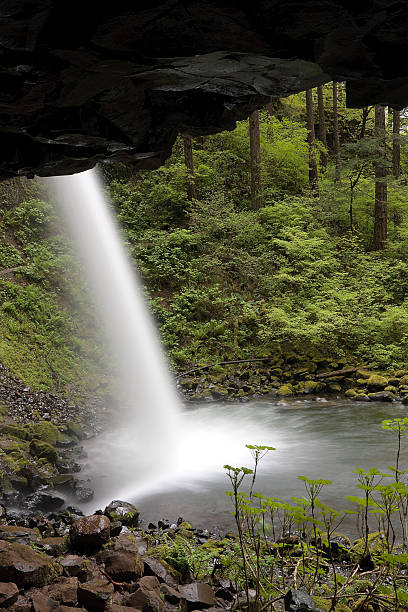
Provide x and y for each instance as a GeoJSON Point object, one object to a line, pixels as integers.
{"type": "Point", "coordinates": [82, 84]}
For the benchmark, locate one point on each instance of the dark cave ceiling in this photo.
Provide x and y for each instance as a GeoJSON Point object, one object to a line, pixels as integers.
{"type": "Point", "coordinates": [81, 82]}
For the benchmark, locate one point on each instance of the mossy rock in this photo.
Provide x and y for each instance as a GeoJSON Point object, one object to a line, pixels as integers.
{"type": "Point", "coordinates": [376, 382]}
{"type": "Point", "coordinates": [351, 393]}
{"type": "Point", "coordinates": [365, 374]}
{"type": "Point", "coordinates": [376, 545]}
{"type": "Point", "coordinates": [17, 431]}
{"type": "Point", "coordinates": [325, 605]}
{"type": "Point", "coordinates": [313, 386]}
{"type": "Point", "coordinates": [391, 389]}
{"type": "Point", "coordinates": [403, 380]}
{"type": "Point", "coordinates": [43, 450]}
{"type": "Point", "coordinates": [333, 387]}
{"type": "Point", "coordinates": [46, 431]}
{"type": "Point", "coordinates": [285, 391]}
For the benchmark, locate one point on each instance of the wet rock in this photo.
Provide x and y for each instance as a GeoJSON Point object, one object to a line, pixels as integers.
{"type": "Point", "coordinates": [21, 535]}
{"type": "Point", "coordinates": [44, 501]}
{"type": "Point", "coordinates": [8, 594]}
{"type": "Point", "coordinates": [95, 595]}
{"type": "Point", "coordinates": [65, 591]}
{"type": "Point", "coordinates": [153, 567]}
{"type": "Point", "coordinates": [382, 396]}
{"type": "Point", "coordinates": [198, 595]}
{"type": "Point", "coordinates": [124, 512]}
{"type": "Point", "coordinates": [299, 601]}
{"type": "Point", "coordinates": [26, 567]}
{"type": "Point", "coordinates": [83, 494]}
{"type": "Point", "coordinates": [361, 398]}
{"type": "Point", "coordinates": [90, 532]}
{"type": "Point", "coordinates": [147, 597]}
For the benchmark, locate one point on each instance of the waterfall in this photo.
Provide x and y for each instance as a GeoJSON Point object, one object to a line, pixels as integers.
{"type": "Point", "coordinates": [143, 441]}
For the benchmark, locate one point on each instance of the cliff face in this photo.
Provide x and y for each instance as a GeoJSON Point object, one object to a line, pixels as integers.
{"type": "Point", "coordinates": [81, 85]}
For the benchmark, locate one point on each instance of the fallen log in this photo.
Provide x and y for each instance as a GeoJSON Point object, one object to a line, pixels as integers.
{"type": "Point", "coordinates": [339, 372]}
{"type": "Point", "coordinates": [218, 363]}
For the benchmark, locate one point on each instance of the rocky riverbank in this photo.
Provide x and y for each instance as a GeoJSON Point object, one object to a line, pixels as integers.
{"type": "Point", "coordinates": [283, 379]}
{"type": "Point", "coordinates": [106, 561]}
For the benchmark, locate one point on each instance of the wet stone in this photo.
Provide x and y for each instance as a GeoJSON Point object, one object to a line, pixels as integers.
{"type": "Point", "coordinates": [198, 595]}
{"type": "Point", "coordinates": [90, 532]}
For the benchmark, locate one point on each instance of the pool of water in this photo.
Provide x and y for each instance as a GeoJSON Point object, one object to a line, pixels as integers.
{"type": "Point", "coordinates": [318, 438]}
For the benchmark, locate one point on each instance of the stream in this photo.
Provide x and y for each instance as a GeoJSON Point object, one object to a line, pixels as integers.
{"type": "Point", "coordinates": [318, 438]}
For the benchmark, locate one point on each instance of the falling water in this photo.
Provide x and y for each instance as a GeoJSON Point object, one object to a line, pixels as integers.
{"type": "Point", "coordinates": [143, 441]}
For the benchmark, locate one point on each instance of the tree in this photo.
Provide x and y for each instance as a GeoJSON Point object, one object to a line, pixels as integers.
{"type": "Point", "coordinates": [380, 168]}
{"type": "Point", "coordinates": [336, 140]}
{"type": "Point", "coordinates": [255, 154]}
{"type": "Point", "coordinates": [322, 123]}
{"type": "Point", "coordinates": [313, 174]}
{"type": "Point", "coordinates": [396, 146]}
{"type": "Point", "coordinates": [189, 161]}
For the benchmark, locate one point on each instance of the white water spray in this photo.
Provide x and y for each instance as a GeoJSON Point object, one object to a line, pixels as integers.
{"type": "Point", "coordinates": [143, 444]}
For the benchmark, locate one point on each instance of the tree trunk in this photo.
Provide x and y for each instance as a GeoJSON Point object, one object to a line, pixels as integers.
{"type": "Point", "coordinates": [336, 139]}
{"type": "Point", "coordinates": [322, 123]}
{"type": "Point", "coordinates": [255, 152]}
{"type": "Point", "coordinates": [380, 208]}
{"type": "Point", "coordinates": [313, 174]}
{"type": "Point", "coordinates": [396, 146]}
{"type": "Point", "coordinates": [365, 111]}
{"type": "Point", "coordinates": [189, 161]}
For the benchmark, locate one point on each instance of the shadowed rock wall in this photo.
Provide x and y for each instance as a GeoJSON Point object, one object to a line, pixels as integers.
{"type": "Point", "coordinates": [81, 82]}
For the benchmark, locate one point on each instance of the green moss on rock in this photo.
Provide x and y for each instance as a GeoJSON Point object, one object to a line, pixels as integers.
{"type": "Point", "coordinates": [351, 393]}
{"type": "Point", "coordinates": [285, 390]}
{"type": "Point", "coordinates": [17, 431]}
{"type": "Point", "coordinates": [46, 431]}
{"type": "Point", "coordinates": [43, 450]}
{"type": "Point", "coordinates": [376, 382]}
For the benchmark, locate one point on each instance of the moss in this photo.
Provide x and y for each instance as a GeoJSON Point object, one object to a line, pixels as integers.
{"type": "Point", "coordinates": [333, 387]}
{"type": "Point", "coordinates": [403, 380]}
{"type": "Point", "coordinates": [391, 388]}
{"type": "Point", "coordinates": [351, 393]}
{"type": "Point", "coordinates": [377, 382]}
{"type": "Point", "coordinates": [46, 432]}
{"type": "Point", "coordinates": [43, 450]}
{"type": "Point", "coordinates": [363, 374]}
{"type": "Point", "coordinates": [17, 431]}
{"type": "Point", "coordinates": [285, 391]}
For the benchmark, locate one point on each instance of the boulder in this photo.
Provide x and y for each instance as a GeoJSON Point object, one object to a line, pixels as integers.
{"type": "Point", "coordinates": [124, 512]}
{"type": "Point", "coordinates": [299, 601]}
{"type": "Point", "coordinates": [56, 545]}
{"type": "Point", "coordinates": [172, 595]}
{"type": "Point", "coordinates": [382, 396]}
{"type": "Point", "coordinates": [72, 565]}
{"type": "Point", "coordinates": [198, 595]}
{"type": "Point", "coordinates": [65, 591]}
{"type": "Point", "coordinates": [124, 566]}
{"type": "Point", "coordinates": [285, 391]}
{"type": "Point", "coordinates": [95, 595]}
{"type": "Point", "coordinates": [376, 382]}
{"type": "Point", "coordinates": [43, 450]}
{"type": "Point", "coordinates": [26, 567]}
{"type": "Point", "coordinates": [42, 603]}
{"type": "Point", "coordinates": [8, 594]}
{"type": "Point", "coordinates": [153, 567]}
{"type": "Point", "coordinates": [22, 535]}
{"type": "Point", "coordinates": [90, 532]}
{"type": "Point", "coordinates": [147, 597]}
